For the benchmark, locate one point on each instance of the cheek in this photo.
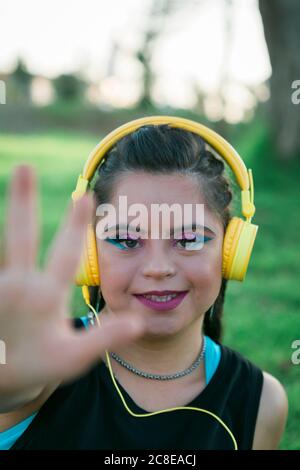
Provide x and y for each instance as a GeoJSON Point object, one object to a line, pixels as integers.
{"type": "Point", "coordinates": [205, 273]}
{"type": "Point", "coordinates": [115, 275]}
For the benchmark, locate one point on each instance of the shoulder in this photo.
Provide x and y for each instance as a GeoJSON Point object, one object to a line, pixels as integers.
{"type": "Point", "coordinates": [267, 400]}
{"type": "Point", "coordinates": [272, 414]}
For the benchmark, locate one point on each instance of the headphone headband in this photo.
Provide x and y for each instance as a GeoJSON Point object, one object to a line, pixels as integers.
{"type": "Point", "coordinates": [239, 236]}
{"type": "Point", "coordinates": [222, 147]}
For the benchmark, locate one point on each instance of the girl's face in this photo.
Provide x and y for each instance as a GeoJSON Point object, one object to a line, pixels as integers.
{"type": "Point", "coordinates": [188, 264]}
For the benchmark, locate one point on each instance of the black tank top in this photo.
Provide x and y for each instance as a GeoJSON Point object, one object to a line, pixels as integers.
{"type": "Point", "coordinates": [88, 413]}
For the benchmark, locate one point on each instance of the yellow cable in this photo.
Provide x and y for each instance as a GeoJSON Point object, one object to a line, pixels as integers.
{"type": "Point", "coordinates": [146, 415]}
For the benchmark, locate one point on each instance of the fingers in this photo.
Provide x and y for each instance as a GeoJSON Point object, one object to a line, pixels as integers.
{"type": "Point", "coordinates": [21, 230]}
{"type": "Point", "coordinates": [66, 252]}
{"type": "Point", "coordinates": [87, 346]}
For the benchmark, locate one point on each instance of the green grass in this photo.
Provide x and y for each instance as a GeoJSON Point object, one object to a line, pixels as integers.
{"type": "Point", "coordinates": [58, 158]}
{"type": "Point", "coordinates": [262, 314]}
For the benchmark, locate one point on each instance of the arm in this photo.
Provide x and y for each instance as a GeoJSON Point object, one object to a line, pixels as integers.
{"type": "Point", "coordinates": [272, 415]}
{"type": "Point", "coordinates": [16, 408]}
{"type": "Point", "coordinates": [13, 401]}
{"type": "Point", "coordinates": [42, 346]}
{"type": "Point", "coordinates": [25, 408]}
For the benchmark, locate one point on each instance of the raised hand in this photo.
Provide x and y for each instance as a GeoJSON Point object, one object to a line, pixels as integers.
{"type": "Point", "coordinates": [41, 344]}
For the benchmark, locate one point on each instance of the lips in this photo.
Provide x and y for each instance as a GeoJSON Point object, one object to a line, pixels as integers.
{"type": "Point", "coordinates": [161, 300]}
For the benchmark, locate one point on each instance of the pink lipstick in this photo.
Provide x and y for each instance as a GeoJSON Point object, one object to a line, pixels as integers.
{"type": "Point", "coordinates": [161, 301]}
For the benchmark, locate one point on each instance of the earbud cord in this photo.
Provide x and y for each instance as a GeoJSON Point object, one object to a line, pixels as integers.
{"type": "Point", "coordinates": [145, 415]}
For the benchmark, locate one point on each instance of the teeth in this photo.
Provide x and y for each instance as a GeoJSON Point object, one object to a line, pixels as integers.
{"type": "Point", "coordinates": [160, 298]}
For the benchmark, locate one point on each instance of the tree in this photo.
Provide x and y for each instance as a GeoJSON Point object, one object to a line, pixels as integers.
{"type": "Point", "coordinates": [69, 87]}
{"type": "Point", "coordinates": [20, 83]}
{"type": "Point", "coordinates": [159, 11]}
{"type": "Point", "coordinates": [282, 33]}
{"type": "Point", "coordinates": [159, 15]}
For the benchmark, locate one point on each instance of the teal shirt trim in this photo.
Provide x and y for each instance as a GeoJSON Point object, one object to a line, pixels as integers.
{"type": "Point", "coordinates": [211, 361]}
{"type": "Point", "coordinates": [85, 321]}
{"type": "Point", "coordinates": [9, 437]}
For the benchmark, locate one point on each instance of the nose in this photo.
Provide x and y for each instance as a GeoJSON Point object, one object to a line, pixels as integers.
{"type": "Point", "coordinates": [158, 263]}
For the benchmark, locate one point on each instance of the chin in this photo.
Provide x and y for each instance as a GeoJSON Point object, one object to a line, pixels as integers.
{"type": "Point", "coordinates": [162, 327]}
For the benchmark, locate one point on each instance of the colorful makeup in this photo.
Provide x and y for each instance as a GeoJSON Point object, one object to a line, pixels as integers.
{"type": "Point", "coordinates": [123, 238]}
{"type": "Point", "coordinates": [192, 241]}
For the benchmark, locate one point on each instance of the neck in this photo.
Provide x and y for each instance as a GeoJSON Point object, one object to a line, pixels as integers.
{"type": "Point", "coordinates": [164, 354]}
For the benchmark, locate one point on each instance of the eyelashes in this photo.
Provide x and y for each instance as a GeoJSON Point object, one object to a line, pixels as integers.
{"type": "Point", "coordinates": [194, 242]}
{"type": "Point", "coordinates": [189, 242]}
{"type": "Point", "coordinates": [118, 242]}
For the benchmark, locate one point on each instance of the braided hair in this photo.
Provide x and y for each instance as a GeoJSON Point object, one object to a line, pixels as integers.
{"type": "Point", "coordinates": [162, 149]}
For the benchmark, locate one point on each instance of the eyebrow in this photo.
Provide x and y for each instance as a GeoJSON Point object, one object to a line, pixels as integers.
{"type": "Point", "coordinates": [181, 229]}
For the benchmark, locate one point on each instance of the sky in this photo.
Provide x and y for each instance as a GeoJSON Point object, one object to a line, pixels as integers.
{"type": "Point", "coordinates": [61, 36]}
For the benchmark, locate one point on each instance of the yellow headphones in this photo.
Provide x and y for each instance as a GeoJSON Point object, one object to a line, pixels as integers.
{"type": "Point", "coordinates": [238, 240]}
{"type": "Point", "coordinates": [240, 234]}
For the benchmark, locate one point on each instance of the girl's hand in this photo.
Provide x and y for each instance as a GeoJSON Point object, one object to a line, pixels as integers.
{"type": "Point", "coordinates": [41, 344]}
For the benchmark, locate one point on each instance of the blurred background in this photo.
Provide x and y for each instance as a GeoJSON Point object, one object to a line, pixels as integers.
{"type": "Point", "coordinates": [70, 72]}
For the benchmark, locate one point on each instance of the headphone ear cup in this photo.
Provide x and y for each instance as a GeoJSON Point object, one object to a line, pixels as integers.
{"type": "Point", "coordinates": [237, 248]}
{"type": "Point", "coordinates": [88, 272]}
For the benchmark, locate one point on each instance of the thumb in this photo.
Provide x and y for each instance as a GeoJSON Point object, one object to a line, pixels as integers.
{"type": "Point", "coordinates": [86, 347]}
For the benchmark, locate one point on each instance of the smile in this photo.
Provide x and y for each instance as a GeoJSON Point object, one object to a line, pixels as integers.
{"type": "Point", "coordinates": [161, 302]}
{"type": "Point", "coordinates": [160, 298]}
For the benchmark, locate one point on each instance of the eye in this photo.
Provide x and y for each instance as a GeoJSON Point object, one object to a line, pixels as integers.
{"type": "Point", "coordinates": [123, 243]}
{"type": "Point", "coordinates": [192, 241]}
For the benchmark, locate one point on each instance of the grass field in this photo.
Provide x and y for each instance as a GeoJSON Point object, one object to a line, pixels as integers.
{"type": "Point", "coordinates": [262, 315]}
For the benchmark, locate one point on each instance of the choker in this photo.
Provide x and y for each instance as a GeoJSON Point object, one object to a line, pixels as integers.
{"type": "Point", "coordinates": [177, 375]}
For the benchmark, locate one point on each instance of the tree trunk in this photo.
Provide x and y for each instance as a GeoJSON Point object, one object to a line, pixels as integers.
{"type": "Point", "coordinates": [281, 21]}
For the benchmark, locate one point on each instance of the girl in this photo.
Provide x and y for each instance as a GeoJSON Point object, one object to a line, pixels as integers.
{"type": "Point", "coordinates": [166, 362]}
